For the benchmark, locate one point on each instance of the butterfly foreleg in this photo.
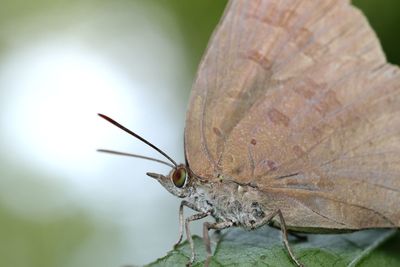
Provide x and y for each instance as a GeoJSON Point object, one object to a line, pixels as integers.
{"type": "Point", "coordinates": [206, 237]}
{"type": "Point", "coordinates": [182, 220]}
{"type": "Point", "coordinates": [267, 219]}
{"type": "Point", "coordinates": [189, 219]}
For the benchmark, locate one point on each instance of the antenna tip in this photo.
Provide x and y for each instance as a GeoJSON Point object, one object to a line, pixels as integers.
{"type": "Point", "coordinates": [107, 118]}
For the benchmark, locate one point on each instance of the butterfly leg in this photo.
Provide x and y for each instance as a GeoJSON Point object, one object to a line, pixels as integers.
{"type": "Point", "coordinates": [268, 219]}
{"type": "Point", "coordinates": [189, 219]}
{"type": "Point", "coordinates": [182, 221]}
{"type": "Point", "coordinates": [206, 237]}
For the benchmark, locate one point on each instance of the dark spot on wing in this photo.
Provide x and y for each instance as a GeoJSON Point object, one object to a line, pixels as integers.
{"type": "Point", "coordinates": [306, 88]}
{"type": "Point", "coordinates": [259, 58]}
{"type": "Point", "coordinates": [238, 170]}
{"type": "Point", "coordinates": [278, 117]}
{"type": "Point", "coordinates": [298, 151]}
{"type": "Point", "coordinates": [217, 131]}
{"type": "Point", "coordinates": [328, 104]}
{"type": "Point", "coordinates": [286, 19]}
{"type": "Point", "coordinates": [272, 165]}
{"type": "Point", "coordinates": [316, 132]}
{"type": "Point", "coordinates": [266, 165]}
{"type": "Point", "coordinates": [303, 37]}
{"type": "Point", "coordinates": [253, 142]}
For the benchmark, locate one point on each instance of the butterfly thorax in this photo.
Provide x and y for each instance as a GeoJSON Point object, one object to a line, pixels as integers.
{"type": "Point", "coordinates": [227, 200]}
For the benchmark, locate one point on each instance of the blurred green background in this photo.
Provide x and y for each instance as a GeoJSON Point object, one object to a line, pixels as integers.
{"type": "Point", "coordinates": [61, 62]}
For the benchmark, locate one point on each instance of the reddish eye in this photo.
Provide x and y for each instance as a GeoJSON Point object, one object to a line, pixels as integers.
{"type": "Point", "coordinates": [179, 177]}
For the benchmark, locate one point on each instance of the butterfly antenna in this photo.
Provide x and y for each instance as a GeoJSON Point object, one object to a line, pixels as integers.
{"type": "Point", "coordinates": [138, 137]}
{"type": "Point", "coordinates": [135, 156]}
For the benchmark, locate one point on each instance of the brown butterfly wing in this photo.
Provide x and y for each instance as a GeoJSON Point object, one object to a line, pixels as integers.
{"type": "Point", "coordinates": [296, 98]}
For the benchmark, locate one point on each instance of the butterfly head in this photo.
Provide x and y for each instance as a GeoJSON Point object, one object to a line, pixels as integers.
{"type": "Point", "coordinates": [176, 182]}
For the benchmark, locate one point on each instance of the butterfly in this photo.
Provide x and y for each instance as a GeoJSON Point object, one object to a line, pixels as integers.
{"type": "Point", "coordinates": [293, 121]}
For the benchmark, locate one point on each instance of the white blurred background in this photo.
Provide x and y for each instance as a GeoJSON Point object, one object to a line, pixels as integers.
{"type": "Point", "coordinates": [64, 204]}
{"type": "Point", "coordinates": [62, 62]}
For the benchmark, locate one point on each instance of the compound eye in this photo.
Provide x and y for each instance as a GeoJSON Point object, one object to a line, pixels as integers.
{"type": "Point", "coordinates": [179, 177]}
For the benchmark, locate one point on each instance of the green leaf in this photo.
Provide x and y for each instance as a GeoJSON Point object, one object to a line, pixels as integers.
{"type": "Point", "coordinates": [263, 247]}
